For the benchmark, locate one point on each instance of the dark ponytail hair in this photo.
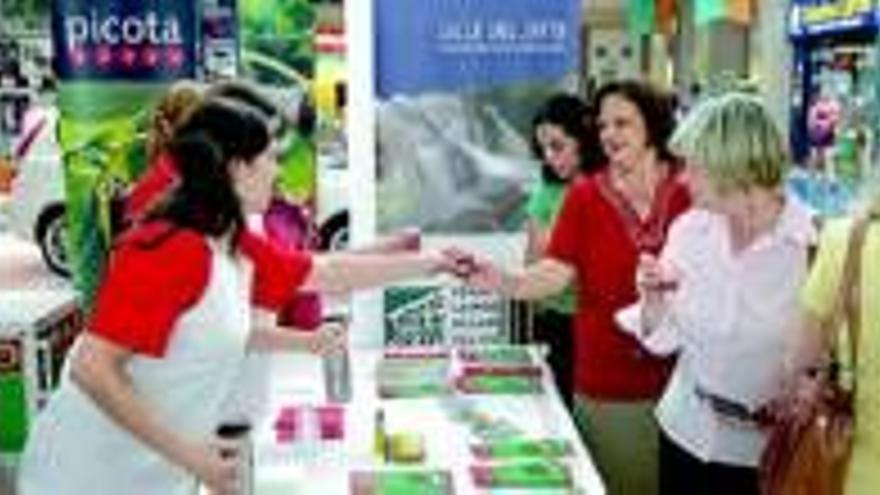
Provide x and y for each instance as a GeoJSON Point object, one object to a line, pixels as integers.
{"type": "Point", "coordinates": [216, 133]}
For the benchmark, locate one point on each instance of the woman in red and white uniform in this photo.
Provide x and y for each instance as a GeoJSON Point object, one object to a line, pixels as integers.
{"type": "Point", "coordinates": [144, 386]}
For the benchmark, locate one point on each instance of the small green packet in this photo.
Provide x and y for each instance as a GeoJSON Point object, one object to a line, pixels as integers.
{"type": "Point", "coordinates": [412, 390]}
{"type": "Point", "coordinates": [434, 482]}
{"type": "Point", "coordinates": [508, 355]}
{"type": "Point", "coordinates": [512, 448]}
{"type": "Point", "coordinates": [499, 384]}
{"type": "Point", "coordinates": [411, 377]}
{"type": "Point", "coordinates": [525, 474]}
{"type": "Point", "coordinates": [479, 420]}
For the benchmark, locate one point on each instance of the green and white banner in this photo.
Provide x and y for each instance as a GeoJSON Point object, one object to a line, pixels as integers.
{"type": "Point", "coordinates": [113, 57]}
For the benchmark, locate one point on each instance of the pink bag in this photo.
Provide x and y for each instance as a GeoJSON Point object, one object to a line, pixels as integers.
{"type": "Point", "coordinates": [289, 226]}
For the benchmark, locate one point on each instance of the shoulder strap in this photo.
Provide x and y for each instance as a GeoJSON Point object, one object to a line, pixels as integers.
{"type": "Point", "coordinates": [846, 306]}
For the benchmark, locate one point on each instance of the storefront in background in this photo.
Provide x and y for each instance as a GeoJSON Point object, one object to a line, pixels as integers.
{"type": "Point", "coordinates": [834, 85]}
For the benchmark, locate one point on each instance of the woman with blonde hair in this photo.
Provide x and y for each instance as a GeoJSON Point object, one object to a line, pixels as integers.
{"type": "Point", "coordinates": [818, 299]}
{"type": "Point", "coordinates": [722, 296]}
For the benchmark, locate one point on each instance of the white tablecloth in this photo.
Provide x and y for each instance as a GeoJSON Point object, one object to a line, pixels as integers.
{"type": "Point", "coordinates": [281, 469]}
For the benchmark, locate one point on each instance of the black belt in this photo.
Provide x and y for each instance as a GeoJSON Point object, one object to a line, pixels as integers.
{"type": "Point", "coordinates": [730, 408]}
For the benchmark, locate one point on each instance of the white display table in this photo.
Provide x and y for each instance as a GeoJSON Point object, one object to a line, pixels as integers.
{"type": "Point", "coordinates": [284, 469]}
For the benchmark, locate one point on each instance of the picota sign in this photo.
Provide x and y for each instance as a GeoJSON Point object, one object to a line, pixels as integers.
{"type": "Point", "coordinates": [120, 39]}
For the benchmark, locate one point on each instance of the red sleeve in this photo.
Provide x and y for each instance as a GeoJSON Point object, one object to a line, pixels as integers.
{"type": "Point", "coordinates": [681, 201]}
{"type": "Point", "coordinates": [153, 277]}
{"type": "Point", "coordinates": [568, 229]}
{"type": "Point", "coordinates": [278, 273]}
{"type": "Point", "coordinates": [151, 187]}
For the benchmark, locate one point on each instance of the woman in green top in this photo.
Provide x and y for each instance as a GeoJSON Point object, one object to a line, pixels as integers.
{"type": "Point", "coordinates": [565, 141]}
{"type": "Point", "coordinates": [818, 299]}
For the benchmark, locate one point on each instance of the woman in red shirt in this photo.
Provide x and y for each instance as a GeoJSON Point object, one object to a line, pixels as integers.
{"type": "Point", "coordinates": [144, 388]}
{"type": "Point", "coordinates": [606, 221]}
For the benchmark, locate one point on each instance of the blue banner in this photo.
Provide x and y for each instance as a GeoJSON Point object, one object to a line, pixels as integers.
{"type": "Point", "coordinates": [447, 45]}
{"type": "Point", "coordinates": [125, 40]}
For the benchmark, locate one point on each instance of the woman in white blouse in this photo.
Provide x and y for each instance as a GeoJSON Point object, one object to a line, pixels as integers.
{"type": "Point", "coordinates": [723, 296]}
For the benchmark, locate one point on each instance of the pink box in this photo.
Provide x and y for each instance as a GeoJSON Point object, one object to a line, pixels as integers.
{"type": "Point", "coordinates": [331, 422]}
{"type": "Point", "coordinates": [289, 419]}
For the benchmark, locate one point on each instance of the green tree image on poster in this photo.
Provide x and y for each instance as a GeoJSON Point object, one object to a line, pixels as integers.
{"type": "Point", "coordinates": [113, 59]}
{"type": "Point", "coordinates": [282, 30]}
{"type": "Point", "coordinates": [103, 134]}
{"type": "Point", "coordinates": [278, 52]}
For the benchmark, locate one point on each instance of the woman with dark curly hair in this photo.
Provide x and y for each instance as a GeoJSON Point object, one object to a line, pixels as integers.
{"type": "Point", "coordinates": [608, 219]}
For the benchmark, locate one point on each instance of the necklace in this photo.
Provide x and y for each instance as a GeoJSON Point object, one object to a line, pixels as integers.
{"type": "Point", "coordinates": [639, 184]}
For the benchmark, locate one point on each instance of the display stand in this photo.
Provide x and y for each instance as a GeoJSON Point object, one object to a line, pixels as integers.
{"type": "Point", "coordinates": [37, 328]}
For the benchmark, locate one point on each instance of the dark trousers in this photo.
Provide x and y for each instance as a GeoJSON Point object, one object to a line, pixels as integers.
{"type": "Point", "coordinates": [555, 329]}
{"type": "Point", "coordinates": [683, 474]}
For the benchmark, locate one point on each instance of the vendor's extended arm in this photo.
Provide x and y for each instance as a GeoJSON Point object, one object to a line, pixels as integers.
{"type": "Point", "coordinates": [278, 274]}
{"type": "Point", "coordinates": [342, 272]}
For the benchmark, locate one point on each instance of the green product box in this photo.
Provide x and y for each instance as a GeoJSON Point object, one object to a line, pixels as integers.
{"type": "Point", "coordinates": [498, 355]}
{"type": "Point", "coordinates": [13, 411]}
{"type": "Point", "coordinates": [510, 448]}
{"type": "Point", "coordinates": [410, 377]}
{"type": "Point", "coordinates": [526, 474]}
{"type": "Point", "coordinates": [499, 384]}
{"type": "Point", "coordinates": [401, 483]}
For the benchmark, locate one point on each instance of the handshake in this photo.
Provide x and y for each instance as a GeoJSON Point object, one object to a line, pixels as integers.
{"type": "Point", "coordinates": [472, 270]}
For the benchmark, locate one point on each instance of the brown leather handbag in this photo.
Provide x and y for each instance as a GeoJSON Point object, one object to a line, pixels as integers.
{"type": "Point", "coordinates": [811, 436]}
